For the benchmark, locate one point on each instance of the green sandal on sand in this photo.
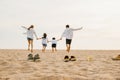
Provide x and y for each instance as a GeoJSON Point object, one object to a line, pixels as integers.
{"type": "Point", "coordinates": [116, 58]}
{"type": "Point", "coordinates": [36, 57]}
{"type": "Point", "coordinates": [30, 57]}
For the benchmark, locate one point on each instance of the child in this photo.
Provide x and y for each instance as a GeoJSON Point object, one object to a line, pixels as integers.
{"type": "Point", "coordinates": [54, 44]}
{"type": "Point", "coordinates": [44, 41]}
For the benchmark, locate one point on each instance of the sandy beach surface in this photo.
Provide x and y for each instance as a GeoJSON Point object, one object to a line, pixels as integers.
{"type": "Point", "coordinates": [90, 65]}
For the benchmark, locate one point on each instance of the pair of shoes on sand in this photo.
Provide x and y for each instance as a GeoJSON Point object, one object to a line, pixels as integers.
{"type": "Point", "coordinates": [71, 58]}
{"type": "Point", "coordinates": [35, 58]}
{"type": "Point", "coordinates": [116, 58]}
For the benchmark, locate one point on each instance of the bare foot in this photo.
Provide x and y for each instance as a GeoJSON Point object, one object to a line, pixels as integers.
{"type": "Point", "coordinates": [31, 50]}
{"type": "Point", "coordinates": [42, 50]}
{"type": "Point", "coordinates": [28, 49]}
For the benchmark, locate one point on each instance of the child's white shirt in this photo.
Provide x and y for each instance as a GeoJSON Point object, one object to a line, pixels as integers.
{"type": "Point", "coordinates": [44, 40]}
{"type": "Point", "coordinates": [54, 41]}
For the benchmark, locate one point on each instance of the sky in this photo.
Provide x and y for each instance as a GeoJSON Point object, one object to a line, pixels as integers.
{"type": "Point", "coordinates": [99, 19]}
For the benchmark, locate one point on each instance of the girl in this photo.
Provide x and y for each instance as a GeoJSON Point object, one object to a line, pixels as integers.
{"type": "Point", "coordinates": [44, 42]}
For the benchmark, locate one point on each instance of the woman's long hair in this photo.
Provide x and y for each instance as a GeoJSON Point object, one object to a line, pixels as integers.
{"type": "Point", "coordinates": [30, 27]}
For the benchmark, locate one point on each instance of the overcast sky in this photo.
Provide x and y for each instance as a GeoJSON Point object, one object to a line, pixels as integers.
{"type": "Point", "coordinates": [100, 20]}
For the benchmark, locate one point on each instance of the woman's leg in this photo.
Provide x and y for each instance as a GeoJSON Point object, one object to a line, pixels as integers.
{"type": "Point", "coordinates": [28, 44]}
{"type": "Point", "coordinates": [31, 42]}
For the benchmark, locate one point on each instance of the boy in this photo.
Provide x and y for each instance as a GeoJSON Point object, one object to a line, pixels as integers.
{"type": "Point", "coordinates": [54, 44]}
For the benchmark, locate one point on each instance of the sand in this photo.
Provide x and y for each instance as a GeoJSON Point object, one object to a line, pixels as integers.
{"type": "Point", "coordinates": [90, 65]}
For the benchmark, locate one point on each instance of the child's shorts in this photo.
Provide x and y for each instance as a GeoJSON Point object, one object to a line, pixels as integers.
{"type": "Point", "coordinates": [45, 45]}
{"type": "Point", "coordinates": [53, 45]}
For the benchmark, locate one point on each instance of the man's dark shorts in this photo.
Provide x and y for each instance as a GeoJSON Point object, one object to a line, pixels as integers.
{"type": "Point", "coordinates": [68, 41]}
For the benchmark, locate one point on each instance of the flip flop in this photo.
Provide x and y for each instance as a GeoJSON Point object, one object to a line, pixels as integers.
{"type": "Point", "coordinates": [116, 58]}
{"type": "Point", "coordinates": [72, 58]}
{"type": "Point", "coordinates": [36, 57]}
{"type": "Point", "coordinates": [66, 58]}
{"type": "Point", "coordinates": [30, 57]}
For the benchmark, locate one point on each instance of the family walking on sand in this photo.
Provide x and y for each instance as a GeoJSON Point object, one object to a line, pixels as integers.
{"type": "Point", "coordinates": [68, 34]}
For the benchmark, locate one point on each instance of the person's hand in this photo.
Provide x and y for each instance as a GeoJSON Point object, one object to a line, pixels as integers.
{"type": "Point", "coordinates": [82, 27]}
{"type": "Point", "coordinates": [60, 38]}
{"type": "Point", "coordinates": [37, 38]}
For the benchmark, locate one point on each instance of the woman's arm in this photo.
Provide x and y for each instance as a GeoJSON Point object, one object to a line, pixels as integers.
{"type": "Point", "coordinates": [35, 34]}
{"type": "Point", "coordinates": [24, 27]}
{"type": "Point", "coordinates": [58, 39]}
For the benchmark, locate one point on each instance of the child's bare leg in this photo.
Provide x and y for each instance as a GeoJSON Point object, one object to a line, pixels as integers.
{"type": "Point", "coordinates": [52, 49]}
{"type": "Point", "coordinates": [55, 49]}
{"type": "Point", "coordinates": [43, 50]}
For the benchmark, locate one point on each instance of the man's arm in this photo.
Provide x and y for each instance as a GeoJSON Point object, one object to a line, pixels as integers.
{"type": "Point", "coordinates": [63, 34]}
{"type": "Point", "coordinates": [77, 29]}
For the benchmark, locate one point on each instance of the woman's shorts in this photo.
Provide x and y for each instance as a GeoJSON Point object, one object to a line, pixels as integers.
{"type": "Point", "coordinates": [68, 41]}
{"type": "Point", "coordinates": [29, 39]}
{"type": "Point", "coordinates": [53, 45]}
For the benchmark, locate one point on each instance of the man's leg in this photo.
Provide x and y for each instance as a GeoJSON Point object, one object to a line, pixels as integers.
{"type": "Point", "coordinates": [68, 44]}
{"type": "Point", "coordinates": [68, 47]}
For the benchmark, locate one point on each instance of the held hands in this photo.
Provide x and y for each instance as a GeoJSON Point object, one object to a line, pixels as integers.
{"type": "Point", "coordinates": [81, 28]}
{"type": "Point", "coordinates": [38, 38]}
{"type": "Point", "coordinates": [60, 38]}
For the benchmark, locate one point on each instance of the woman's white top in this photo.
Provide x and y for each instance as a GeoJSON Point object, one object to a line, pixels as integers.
{"type": "Point", "coordinates": [30, 33]}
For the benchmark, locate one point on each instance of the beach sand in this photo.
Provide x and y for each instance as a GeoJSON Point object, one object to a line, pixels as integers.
{"type": "Point", "coordinates": [90, 65]}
